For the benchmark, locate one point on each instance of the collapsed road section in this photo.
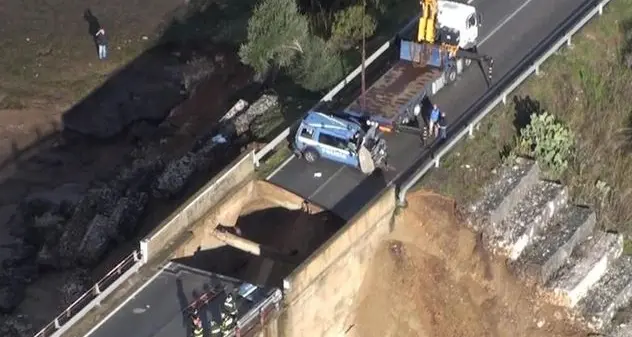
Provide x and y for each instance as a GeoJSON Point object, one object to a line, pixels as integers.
{"type": "Point", "coordinates": [252, 233]}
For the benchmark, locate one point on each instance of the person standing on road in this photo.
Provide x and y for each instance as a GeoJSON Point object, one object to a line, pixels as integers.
{"type": "Point", "coordinates": [230, 307]}
{"type": "Point", "coordinates": [228, 324]}
{"type": "Point", "coordinates": [216, 330]}
{"type": "Point", "coordinates": [443, 126]}
{"type": "Point", "coordinates": [198, 330]}
{"type": "Point", "coordinates": [102, 44]}
{"type": "Point", "coordinates": [435, 114]}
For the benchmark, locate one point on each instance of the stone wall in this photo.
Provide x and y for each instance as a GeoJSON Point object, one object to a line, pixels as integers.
{"type": "Point", "coordinates": [556, 245]}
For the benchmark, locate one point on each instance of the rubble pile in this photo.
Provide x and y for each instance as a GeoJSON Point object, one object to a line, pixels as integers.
{"type": "Point", "coordinates": [230, 132]}
{"type": "Point", "coordinates": [72, 227]}
{"type": "Point", "coordinates": [554, 244]}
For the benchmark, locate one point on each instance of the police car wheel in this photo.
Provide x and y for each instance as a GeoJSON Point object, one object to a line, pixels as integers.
{"type": "Point", "coordinates": [310, 155]}
{"type": "Point", "coordinates": [451, 75]}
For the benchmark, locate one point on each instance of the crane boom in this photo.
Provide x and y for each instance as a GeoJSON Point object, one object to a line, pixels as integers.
{"type": "Point", "coordinates": [427, 22]}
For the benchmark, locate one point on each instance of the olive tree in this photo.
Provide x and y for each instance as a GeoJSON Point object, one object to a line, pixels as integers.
{"type": "Point", "coordinates": [348, 26]}
{"type": "Point", "coordinates": [276, 34]}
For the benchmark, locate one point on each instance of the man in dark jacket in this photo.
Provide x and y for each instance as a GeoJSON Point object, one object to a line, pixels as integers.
{"type": "Point", "coordinates": [443, 127]}
{"type": "Point", "coordinates": [102, 44]}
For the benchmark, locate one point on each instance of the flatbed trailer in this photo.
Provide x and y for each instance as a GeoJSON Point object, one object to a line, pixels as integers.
{"type": "Point", "coordinates": [420, 71]}
{"type": "Point", "coordinates": [392, 97]}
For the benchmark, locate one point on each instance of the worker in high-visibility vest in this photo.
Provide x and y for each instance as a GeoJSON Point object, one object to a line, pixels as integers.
{"type": "Point", "coordinates": [228, 324]}
{"type": "Point", "coordinates": [230, 307]}
{"type": "Point", "coordinates": [197, 329]}
{"type": "Point", "coordinates": [216, 329]}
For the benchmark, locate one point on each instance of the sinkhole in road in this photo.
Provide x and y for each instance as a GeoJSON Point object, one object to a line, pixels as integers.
{"type": "Point", "coordinates": [260, 235]}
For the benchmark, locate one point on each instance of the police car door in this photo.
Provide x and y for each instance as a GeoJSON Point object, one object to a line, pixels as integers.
{"type": "Point", "coordinates": [333, 147]}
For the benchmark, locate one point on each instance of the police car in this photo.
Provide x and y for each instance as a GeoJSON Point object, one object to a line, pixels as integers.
{"type": "Point", "coordinates": [344, 141]}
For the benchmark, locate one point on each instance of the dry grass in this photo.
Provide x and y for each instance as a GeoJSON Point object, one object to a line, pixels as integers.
{"type": "Point", "coordinates": [589, 88]}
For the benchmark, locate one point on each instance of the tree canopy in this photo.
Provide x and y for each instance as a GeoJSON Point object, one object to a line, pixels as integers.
{"type": "Point", "coordinates": [348, 26]}
{"type": "Point", "coordinates": [276, 34]}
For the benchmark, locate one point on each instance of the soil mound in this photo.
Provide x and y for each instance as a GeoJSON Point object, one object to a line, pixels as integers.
{"type": "Point", "coordinates": [432, 278]}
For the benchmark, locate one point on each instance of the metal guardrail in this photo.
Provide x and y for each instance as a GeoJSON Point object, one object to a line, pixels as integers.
{"type": "Point", "coordinates": [259, 315]}
{"type": "Point", "coordinates": [333, 92]}
{"type": "Point", "coordinates": [501, 90]}
{"type": "Point", "coordinates": [92, 297]}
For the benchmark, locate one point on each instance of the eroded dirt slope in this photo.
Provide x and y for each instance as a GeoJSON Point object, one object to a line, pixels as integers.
{"type": "Point", "coordinates": [431, 277]}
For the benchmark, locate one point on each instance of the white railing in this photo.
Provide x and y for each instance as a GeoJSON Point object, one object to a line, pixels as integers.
{"type": "Point", "coordinates": [502, 98]}
{"type": "Point", "coordinates": [93, 297]}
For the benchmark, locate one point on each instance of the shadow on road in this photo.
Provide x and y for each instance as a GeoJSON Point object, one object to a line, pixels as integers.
{"type": "Point", "coordinates": [184, 303]}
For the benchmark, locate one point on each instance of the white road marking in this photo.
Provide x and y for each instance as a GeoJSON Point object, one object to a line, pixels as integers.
{"type": "Point", "coordinates": [287, 161]}
{"type": "Point", "coordinates": [320, 188]}
{"type": "Point", "coordinates": [129, 298]}
{"type": "Point", "coordinates": [504, 22]}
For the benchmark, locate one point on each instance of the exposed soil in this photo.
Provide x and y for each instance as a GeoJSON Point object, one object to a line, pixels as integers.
{"type": "Point", "coordinates": [431, 277]}
{"type": "Point", "coordinates": [291, 234]}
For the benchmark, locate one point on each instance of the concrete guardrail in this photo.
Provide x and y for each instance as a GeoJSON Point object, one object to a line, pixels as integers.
{"type": "Point", "coordinates": [195, 208]}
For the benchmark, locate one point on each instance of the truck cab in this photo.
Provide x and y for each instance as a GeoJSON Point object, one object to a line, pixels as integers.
{"type": "Point", "coordinates": [344, 141]}
{"type": "Point", "coordinates": [458, 24]}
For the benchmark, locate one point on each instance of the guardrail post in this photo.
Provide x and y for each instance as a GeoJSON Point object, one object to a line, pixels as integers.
{"type": "Point", "coordinates": [97, 291]}
{"type": "Point", "coordinates": [537, 69]}
{"type": "Point", "coordinates": [56, 322]}
{"type": "Point", "coordinates": [601, 8]}
{"type": "Point", "coordinates": [470, 131]}
{"type": "Point", "coordinates": [437, 159]}
{"type": "Point", "coordinates": [136, 258]}
{"type": "Point", "coordinates": [144, 250]}
{"type": "Point", "coordinates": [569, 43]}
{"type": "Point", "coordinates": [504, 98]}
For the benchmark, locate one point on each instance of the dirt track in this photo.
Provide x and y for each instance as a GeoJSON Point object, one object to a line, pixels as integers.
{"type": "Point", "coordinates": [431, 278]}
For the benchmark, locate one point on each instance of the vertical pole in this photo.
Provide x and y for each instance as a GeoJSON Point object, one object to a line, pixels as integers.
{"type": "Point", "coordinates": [363, 98]}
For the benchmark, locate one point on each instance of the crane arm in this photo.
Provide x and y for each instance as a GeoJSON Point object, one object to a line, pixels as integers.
{"type": "Point", "coordinates": [426, 31]}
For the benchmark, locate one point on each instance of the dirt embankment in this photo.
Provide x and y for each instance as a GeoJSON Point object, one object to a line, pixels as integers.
{"type": "Point", "coordinates": [431, 278]}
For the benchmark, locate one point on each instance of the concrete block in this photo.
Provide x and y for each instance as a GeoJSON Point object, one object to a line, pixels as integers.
{"type": "Point", "coordinates": [611, 293]}
{"type": "Point", "coordinates": [585, 267]}
{"type": "Point", "coordinates": [509, 188]}
{"type": "Point", "coordinates": [518, 228]}
{"type": "Point", "coordinates": [551, 248]}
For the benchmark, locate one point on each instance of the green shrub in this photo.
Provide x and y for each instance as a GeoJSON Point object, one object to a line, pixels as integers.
{"type": "Point", "coordinates": [347, 26]}
{"type": "Point", "coordinates": [276, 32]}
{"type": "Point", "coordinates": [549, 141]}
{"type": "Point", "coordinates": [319, 67]}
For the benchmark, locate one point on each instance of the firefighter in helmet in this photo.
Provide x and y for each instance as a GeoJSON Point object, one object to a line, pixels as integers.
{"type": "Point", "coordinates": [230, 307]}
{"type": "Point", "coordinates": [196, 322]}
{"type": "Point", "coordinates": [228, 324]}
{"type": "Point", "coordinates": [216, 329]}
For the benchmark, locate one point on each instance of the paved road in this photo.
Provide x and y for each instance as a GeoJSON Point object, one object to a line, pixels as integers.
{"type": "Point", "coordinates": [158, 309]}
{"type": "Point", "coordinates": [511, 28]}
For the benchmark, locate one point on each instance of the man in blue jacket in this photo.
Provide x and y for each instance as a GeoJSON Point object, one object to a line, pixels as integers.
{"type": "Point", "coordinates": [435, 114]}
